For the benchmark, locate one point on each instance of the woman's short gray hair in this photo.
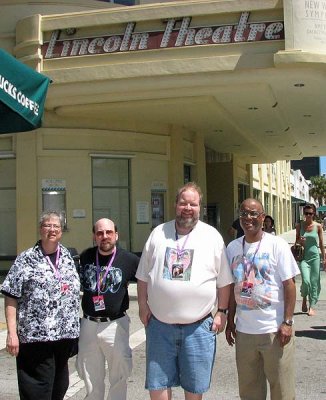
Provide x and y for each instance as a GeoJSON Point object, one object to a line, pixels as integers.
{"type": "Point", "coordinates": [46, 215]}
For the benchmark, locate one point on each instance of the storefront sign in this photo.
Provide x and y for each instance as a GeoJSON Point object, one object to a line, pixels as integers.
{"type": "Point", "coordinates": [22, 95]}
{"type": "Point", "coordinates": [176, 34]}
{"type": "Point", "coordinates": [142, 212]}
{"type": "Point", "coordinates": [49, 185]}
{"type": "Point", "coordinates": [309, 25]}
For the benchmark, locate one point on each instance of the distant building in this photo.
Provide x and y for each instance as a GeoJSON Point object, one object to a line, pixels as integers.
{"type": "Point", "coordinates": [299, 194]}
{"type": "Point", "coordinates": [309, 166]}
{"type": "Point", "coordinates": [146, 98]}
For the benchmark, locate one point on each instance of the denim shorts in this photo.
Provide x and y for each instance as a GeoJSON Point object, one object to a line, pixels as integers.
{"type": "Point", "coordinates": [180, 355]}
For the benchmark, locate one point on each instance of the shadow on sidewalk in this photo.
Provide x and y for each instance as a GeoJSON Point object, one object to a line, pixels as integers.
{"type": "Point", "coordinates": [316, 332]}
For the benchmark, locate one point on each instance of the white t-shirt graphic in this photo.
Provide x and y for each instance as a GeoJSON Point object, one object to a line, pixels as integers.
{"type": "Point", "coordinates": [259, 270]}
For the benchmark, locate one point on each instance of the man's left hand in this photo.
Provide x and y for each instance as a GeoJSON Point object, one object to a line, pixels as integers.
{"type": "Point", "coordinates": [284, 334]}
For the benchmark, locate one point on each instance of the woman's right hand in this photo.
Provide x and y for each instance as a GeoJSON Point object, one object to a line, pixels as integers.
{"type": "Point", "coordinates": [302, 241]}
{"type": "Point", "coordinates": [12, 344]}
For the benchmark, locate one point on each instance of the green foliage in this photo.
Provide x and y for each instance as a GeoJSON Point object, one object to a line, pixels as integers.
{"type": "Point", "coordinates": [318, 188]}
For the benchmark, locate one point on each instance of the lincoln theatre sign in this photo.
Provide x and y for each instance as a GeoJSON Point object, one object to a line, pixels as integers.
{"type": "Point", "coordinates": [174, 35]}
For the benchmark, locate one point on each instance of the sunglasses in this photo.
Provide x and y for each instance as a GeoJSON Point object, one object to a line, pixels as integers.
{"type": "Point", "coordinates": [308, 213]}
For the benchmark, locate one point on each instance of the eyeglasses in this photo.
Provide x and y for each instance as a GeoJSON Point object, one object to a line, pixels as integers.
{"type": "Point", "coordinates": [102, 233]}
{"type": "Point", "coordinates": [308, 213]}
{"type": "Point", "coordinates": [51, 226]}
{"type": "Point", "coordinates": [251, 214]}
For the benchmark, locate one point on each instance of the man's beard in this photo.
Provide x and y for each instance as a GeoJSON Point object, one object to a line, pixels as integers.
{"type": "Point", "coordinates": [106, 247]}
{"type": "Point", "coordinates": [188, 222]}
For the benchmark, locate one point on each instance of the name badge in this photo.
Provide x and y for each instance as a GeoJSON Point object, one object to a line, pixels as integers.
{"type": "Point", "coordinates": [99, 304]}
{"type": "Point", "coordinates": [64, 291]}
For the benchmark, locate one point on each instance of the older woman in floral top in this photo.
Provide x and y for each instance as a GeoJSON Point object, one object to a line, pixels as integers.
{"type": "Point", "coordinates": [42, 311]}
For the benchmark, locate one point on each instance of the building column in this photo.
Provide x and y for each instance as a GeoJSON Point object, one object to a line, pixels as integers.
{"type": "Point", "coordinates": [26, 190]}
{"type": "Point", "coordinates": [235, 179]}
{"type": "Point", "coordinates": [199, 171]}
{"type": "Point", "coordinates": [176, 175]}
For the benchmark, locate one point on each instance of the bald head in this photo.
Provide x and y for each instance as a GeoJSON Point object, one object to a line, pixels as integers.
{"type": "Point", "coordinates": [104, 221]}
{"type": "Point", "coordinates": [250, 202]}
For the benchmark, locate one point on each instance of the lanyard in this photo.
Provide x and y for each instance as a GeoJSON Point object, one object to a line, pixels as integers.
{"type": "Point", "coordinates": [98, 269]}
{"type": "Point", "coordinates": [180, 251]}
{"type": "Point", "coordinates": [251, 262]}
{"type": "Point", "coordinates": [55, 267]}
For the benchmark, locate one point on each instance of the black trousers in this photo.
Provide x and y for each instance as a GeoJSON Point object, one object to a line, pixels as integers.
{"type": "Point", "coordinates": [42, 369]}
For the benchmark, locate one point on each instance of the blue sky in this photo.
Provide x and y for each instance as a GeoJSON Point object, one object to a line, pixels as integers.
{"type": "Point", "coordinates": [323, 165]}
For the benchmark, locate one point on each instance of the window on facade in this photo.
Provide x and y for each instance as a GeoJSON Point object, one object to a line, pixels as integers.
{"type": "Point", "coordinates": [266, 203]}
{"type": "Point", "coordinates": [243, 192]}
{"type": "Point", "coordinates": [111, 194]}
{"type": "Point", "coordinates": [187, 173]}
{"type": "Point", "coordinates": [8, 207]}
{"type": "Point", "coordinates": [256, 194]}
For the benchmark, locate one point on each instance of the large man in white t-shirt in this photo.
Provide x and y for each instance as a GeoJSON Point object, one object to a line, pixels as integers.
{"type": "Point", "coordinates": [263, 300]}
{"type": "Point", "coordinates": [183, 274]}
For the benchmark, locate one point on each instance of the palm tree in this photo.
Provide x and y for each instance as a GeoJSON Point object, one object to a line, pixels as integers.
{"type": "Point", "coordinates": [318, 188]}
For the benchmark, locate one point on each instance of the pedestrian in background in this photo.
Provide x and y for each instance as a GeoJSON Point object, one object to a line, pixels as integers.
{"type": "Point", "coordinates": [310, 235]}
{"type": "Point", "coordinates": [263, 302]}
{"type": "Point", "coordinates": [105, 271]}
{"type": "Point", "coordinates": [324, 223]}
{"type": "Point", "coordinates": [183, 274]}
{"type": "Point", "coordinates": [236, 230]}
{"type": "Point", "coordinates": [42, 312]}
{"type": "Point", "coordinates": [269, 225]}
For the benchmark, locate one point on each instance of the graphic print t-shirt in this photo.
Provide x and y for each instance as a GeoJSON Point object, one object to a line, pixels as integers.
{"type": "Point", "coordinates": [253, 279]}
{"type": "Point", "coordinates": [258, 277]}
{"type": "Point", "coordinates": [177, 264]}
{"type": "Point", "coordinates": [113, 286]}
{"type": "Point", "coordinates": [183, 278]}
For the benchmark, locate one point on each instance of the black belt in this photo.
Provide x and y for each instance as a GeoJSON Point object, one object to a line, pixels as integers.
{"type": "Point", "coordinates": [104, 319]}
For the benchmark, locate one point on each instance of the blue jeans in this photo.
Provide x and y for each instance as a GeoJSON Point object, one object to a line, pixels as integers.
{"type": "Point", "coordinates": [180, 355]}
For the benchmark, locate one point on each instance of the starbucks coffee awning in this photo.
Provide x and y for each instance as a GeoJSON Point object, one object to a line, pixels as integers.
{"type": "Point", "coordinates": [22, 95]}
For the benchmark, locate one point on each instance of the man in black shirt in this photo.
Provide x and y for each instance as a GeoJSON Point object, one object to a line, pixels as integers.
{"type": "Point", "coordinates": [236, 229]}
{"type": "Point", "coordinates": [105, 271]}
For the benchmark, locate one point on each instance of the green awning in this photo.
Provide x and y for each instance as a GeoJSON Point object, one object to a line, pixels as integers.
{"type": "Point", "coordinates": [321, 208]}
{"type": "Point", "coordinates": [22, 95]}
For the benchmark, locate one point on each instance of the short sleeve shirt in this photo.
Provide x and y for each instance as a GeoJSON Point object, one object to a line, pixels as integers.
{"type": "Point", "coordinates": [183, 275]}
{"type": "Point", "coordinates": [259, 270]}
{"type": "Point", "coordinates": [113, 281]}
{"type": "Point", "coordinates": [47, 302]}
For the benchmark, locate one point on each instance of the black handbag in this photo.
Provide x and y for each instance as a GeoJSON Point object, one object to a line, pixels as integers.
{"type": "Point", "coordinates": [297, 251]}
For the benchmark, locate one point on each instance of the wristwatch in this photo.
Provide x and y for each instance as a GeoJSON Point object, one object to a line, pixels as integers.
{"type": "Point", "coordinates": [288, 322]}
{"type": "Point", "coordinates": [222, 310]}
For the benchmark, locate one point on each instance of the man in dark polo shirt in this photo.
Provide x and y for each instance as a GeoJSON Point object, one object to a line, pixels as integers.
{"type": "Point", "coordinates": [105, 271]}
